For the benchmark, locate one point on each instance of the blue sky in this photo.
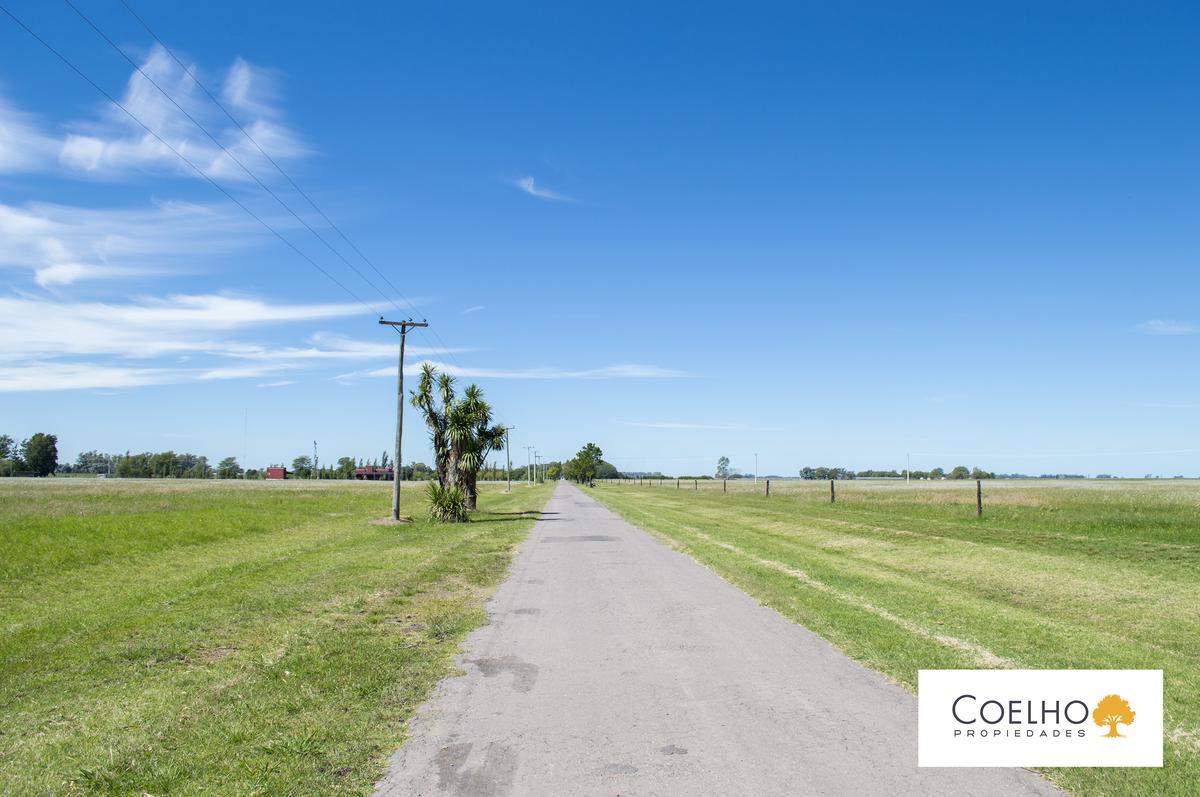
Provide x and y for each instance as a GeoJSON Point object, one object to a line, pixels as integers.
{"type": "Point", "coordinates": [825, 233]}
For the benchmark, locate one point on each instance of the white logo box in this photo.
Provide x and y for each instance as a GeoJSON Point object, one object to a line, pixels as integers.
{"type": "Point", "coordinates": [1013, 716]}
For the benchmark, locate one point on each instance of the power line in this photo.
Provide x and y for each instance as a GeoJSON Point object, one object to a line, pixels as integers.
{"type": "Point", "coordinates": [211, 96]}
{"type": "Point", "coordinates": [227, 151]}
{"type": "Point", "coordinates": [187, 71]}
{"type": "Point", "coordinates": [183, 158]}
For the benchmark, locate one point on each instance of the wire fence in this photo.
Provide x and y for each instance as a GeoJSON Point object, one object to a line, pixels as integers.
{"type": "Point", "coordinates": [972, 495]}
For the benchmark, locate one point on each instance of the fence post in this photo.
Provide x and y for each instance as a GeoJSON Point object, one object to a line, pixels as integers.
{"type": "Point", "coordinates": [724, 485]}
{"type": "Point", "coordinates": [832, 493]}
{"type": "Point", "coordinates": [768, 488]}
{"type": "Point", "coordinates": [677, 484]}
{"type": "Point", "coordinates": [695, 484]}
{"type": "Point", "coordinates": [978, 498]}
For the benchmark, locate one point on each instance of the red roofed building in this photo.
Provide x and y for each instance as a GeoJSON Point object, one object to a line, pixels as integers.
{"type": "Point", "coordinates": [373, 473]}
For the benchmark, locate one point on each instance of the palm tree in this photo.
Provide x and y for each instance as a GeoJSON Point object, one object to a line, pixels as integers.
{"type": "Point", "coordinates": [460, 430]}
{"type": "Point", "coordinates": [472, 433]}
{"type": "Point", "coordinates": [437, 418]}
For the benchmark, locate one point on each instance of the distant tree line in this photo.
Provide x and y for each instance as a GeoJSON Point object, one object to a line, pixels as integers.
{"type": "Point", "coordinates": [35, 456]}
{"type": "Point", "coordinates": [163, 465]}
{"type": "Point", "coordinates": [937, 474]}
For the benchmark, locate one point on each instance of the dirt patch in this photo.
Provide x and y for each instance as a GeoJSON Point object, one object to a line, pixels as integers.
{"type": "Point", "coordinates": [216, 654]}
{"type": "Point", "coordinates": [387, 521]}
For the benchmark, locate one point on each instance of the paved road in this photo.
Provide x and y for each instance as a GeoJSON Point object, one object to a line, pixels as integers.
{"type": "Point", "coordinates": [614, 665]}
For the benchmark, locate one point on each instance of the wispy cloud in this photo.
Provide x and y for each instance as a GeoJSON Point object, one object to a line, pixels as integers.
{"type": "Point", "coordinates": [1158, 326]}
{"type": "Point", "coordinates": [474, 309]}
{"type": "Point", "coordinates": [335, 347]}
{"type": "Point", "coordinates": [24, 147]}
{"type": "Point", "coordinates": [280, 383]}
{"type": "Point", "coordinates": [33, 327]}
{"type": "Point", "coordinates": [113, 145]}
{"type": "Point", "coordinates": [528, 185]}
{"type": "Point", "coordinates": [711, 427]}
{"type": "Point", "coordinates": [62, 345]}
{"type": "Point", "coordinates": [54, 344]}
{"type": "Point", "coordinates": [619, 371]}
{"type": "Point", "coordinates": [63, 244]}
{"type": "Point", "coordinates": [31, 376]}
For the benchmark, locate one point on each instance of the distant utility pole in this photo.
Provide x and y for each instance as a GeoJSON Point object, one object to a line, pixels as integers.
{"type": "Point", "coordinates": [529, 465]}
{"type": "Point", "coordinates": [908, 470]}
{"type": "Point", "coordinates": [537, 467]}
{"type": "Point", "coordinates": [404, 327]}
{"type": "Point", "coordinates": [313, 473]}
{"type": "Point", "coordinates": [507, 460]}
{"type": "Point", "coordinates": [756, 468]}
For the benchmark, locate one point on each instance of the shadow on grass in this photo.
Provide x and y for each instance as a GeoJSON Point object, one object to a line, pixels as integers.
{"type": "Point", "coordinates": [477, 519]}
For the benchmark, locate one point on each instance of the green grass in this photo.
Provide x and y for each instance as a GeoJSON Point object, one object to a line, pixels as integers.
{"type": "Point", "coordinates": [228, 638]}
{"type": "Point", "coordinates": [904, 577]}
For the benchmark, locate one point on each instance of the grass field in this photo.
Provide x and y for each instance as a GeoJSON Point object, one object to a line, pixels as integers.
{"type": "Point", "coordinates": [904, 577]}
{"type": "Point", "coordinates": [227, 638]}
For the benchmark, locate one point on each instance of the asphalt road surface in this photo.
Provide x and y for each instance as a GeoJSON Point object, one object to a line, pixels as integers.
{"type": "Point", "coordinates": [614, 665]}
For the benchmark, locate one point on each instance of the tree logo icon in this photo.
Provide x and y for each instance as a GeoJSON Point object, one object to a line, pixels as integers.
{"type": "Point", "coordinates": [1111, 711]}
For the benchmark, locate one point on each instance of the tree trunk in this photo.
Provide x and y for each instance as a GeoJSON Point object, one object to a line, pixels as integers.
{"type": "Point", "coordinates": [472, 492]}
{"type": "Point", "coordinates": [453, 477]}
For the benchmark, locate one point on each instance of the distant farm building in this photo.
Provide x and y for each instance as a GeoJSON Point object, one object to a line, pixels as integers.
{"type": "Point", "coordinates": [373, 473]}
{"type": "Point", "coordinates": [276, 472]}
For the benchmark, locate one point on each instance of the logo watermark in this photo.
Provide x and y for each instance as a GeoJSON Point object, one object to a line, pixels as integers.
{"type": "Point", "coordinates": [1027, 718]}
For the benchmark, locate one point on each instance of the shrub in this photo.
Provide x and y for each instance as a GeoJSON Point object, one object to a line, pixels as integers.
{"type": "Point", "coordinates": [447, 504]}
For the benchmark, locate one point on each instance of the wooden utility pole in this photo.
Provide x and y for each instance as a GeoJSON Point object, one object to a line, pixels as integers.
{"type": "Point", "coordinates": [507, 460]}
{"type": "Point", "coordinates": [978, 498]}
{"type": "Point", "coordinates": [404, 327]}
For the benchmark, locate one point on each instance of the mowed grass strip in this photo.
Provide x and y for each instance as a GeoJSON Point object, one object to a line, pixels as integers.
{"type": "Point", "coordinates": [904, 577]}
{"type": "Point", "coordinates": [167, 637]}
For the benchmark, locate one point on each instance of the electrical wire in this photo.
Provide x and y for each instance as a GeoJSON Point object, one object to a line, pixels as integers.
{"type": "Point", "coordinates": [312, 203]}
{"type": "Point", "coordinates": [200, 172]}
{"type": "Point", "coordinates": [227, 152]}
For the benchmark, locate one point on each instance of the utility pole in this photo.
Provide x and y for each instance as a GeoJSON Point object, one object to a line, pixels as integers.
{"type": "Point", "coordinates": [537, 467]}
{"type": "Point", "coordinates": [404, 327]}
{"type": "Point", "coordinates": [756, 468]}
{"type": "Point", "coordinates": [507, 460]}
{"type": "Point", "coordinates": [313, 473]}
{"type": "Point", "coordinates": [908, 470]}
{"type": "Point", "coordinates": [529, 465]}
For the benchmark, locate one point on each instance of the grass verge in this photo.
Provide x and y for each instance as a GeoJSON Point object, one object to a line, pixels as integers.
{"type": "Point", "coordinates": [228, 638]}
{"type": "Point", "coordinates": [904, 578]}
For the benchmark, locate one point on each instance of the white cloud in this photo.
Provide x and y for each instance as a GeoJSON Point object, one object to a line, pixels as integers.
{"type": "Point", "coordinates": [335, 347]}
{"type": "Point", "coordinates": [474, 309]}
{"type": "Point", "coordinates": [115, 145]}
{"type": "Point", "coordinates": [62, 244]}
{"type": "Point", "coordinates": [280, 383]}
{"type": "Point", "coordinates": [1165, 327]}
{"type": "Point", "coordinates": [528, 185]}
{"type": "Point", "coordinates": [34, 327]}
{"type": "Point", "coordinates": [50, 344]}
{"type": "Point", "coordinates": [23, 146]}
{"type": "Point", "coordinates": [111, 145]}
{"type": "Point", "coordinates": [80, 376]}
{"type": "Point", "coordinates": [621, 371]}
